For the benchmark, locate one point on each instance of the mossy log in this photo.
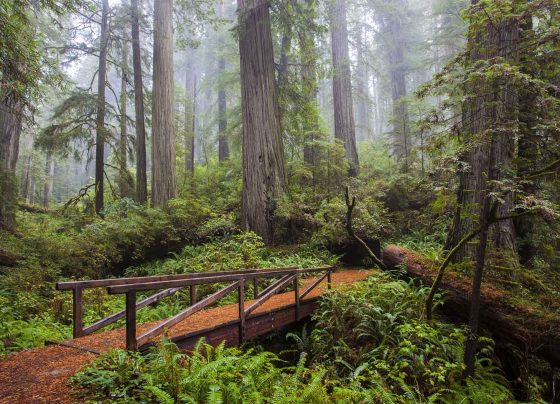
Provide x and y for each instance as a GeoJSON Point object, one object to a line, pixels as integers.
{"type": "Point", "coordinates": [533, 331]}
{"type": "Point", "coordinates": [8, 259]}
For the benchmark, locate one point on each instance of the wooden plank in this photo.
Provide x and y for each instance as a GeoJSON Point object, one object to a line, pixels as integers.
{"type": "Point", "coordinates": [96, 283]}
{"type": "Point", "coordinates": [131, 341]}
{"type": "Point", "coordinates": [279, 286]}
{"type": "Point", "coordinates": [121, 314]}
{"type": "Point", "coordinates": [77, 313]}
{"type": "Point", "coordinates": [241, 301]}
{"type": "Point", "coordinates": [186, 313]}
{"type": "Point", "coordinates": [315, 269]}
{"type": "Point", "coordinates": [269, 287]}
{"type": "Point", "coordinates": [195, 281]}
{"type": "Point", "coordinates": [314, 285]}
{"type": "Point", "coordinates": [296, 295]}
{"type": "Point", "coordinates": [255, 326]}
{"type": "Point", "coordinates": [68, 345]}
{"type": "Point", "coordinates": [193, 294]}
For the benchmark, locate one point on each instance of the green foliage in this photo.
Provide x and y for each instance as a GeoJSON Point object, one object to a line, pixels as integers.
{"type": "Point", "coordinates": [207, 375]}
{"type": "Point", "coordinates": [240, 251]}
{"type": "Point", "coordinates": [370, 220]}
{"type": "Point", "coordinates": [73, 244]}
{"type": "Point", "coordinates": [374, 335]}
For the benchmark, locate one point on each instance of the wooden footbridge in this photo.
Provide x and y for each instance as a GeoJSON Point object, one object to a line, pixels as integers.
{"type": "Point", "coordinates": [262, 305]}
{"type": "Point", "coordinates": [247, 325]}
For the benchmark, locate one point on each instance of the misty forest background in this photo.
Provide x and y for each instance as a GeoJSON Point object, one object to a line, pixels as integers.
{"type": "Point", "coordinates": [143, 137]}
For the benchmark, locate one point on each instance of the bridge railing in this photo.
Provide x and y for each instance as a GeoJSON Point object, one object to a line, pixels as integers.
{"type": "Point", "coordinates": [167, 285]}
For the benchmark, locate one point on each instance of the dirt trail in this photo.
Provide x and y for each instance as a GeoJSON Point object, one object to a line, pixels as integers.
{"type": "Point", "coordinates": [40, 375]}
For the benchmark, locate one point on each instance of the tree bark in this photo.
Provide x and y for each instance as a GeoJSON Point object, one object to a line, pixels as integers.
{"type": "Point", "coordinates": [344, 127]}
{"type": "Point", "coordinates": [190, 119]}
{"type": "Point", "coordinates": [362, 121]}
{"type": "Point", "coordinates": [100, 120]}
{"type": "Point", "coordinates": [527, 146]}
{"type": "Point", "coordinates": [124, 178]}
{"type": "Point", "coordinates": [11, 113]}
{"type": "Point", "coordinates": [481, 115]}
{"type": "Point", "coordinates": [141, 175]}
{"type": "Point", "coordinates": [223, 145]}
{"type": "Point", "coordinates": [49, 179]}
{"type": "Point", "coordinates": [264, 177]}
{"type": "Point", "coordinates": [397, 73]}
{"type": "Point", "coordinates": [309, 56]}
{"type": "Point", "coordinates": [164, 185]}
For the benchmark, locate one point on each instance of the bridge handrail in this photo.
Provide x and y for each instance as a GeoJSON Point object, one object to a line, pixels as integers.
{"type": "Point", "coordinates": [173, 283]}
{"type": "Point", "coordinates": [98, 283]}
{"type": "Point", "coordinates": [204, 280]}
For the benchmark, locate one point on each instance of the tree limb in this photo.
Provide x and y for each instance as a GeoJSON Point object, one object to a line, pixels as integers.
{"type": "Point", "coordinates": [352, 234]}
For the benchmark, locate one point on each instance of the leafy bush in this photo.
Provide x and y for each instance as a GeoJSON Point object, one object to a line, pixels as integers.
{"type": "Point", "coordinates": [208, 375]}
{"type": "Point", "coordinates": [374, 337]}
{"type": "Point", "coordinates": [370, 220]}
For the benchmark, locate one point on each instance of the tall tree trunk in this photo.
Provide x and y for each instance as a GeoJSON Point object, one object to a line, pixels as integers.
{"type": "Point", "coordinates": [264, 177]}
{"type": "Point", "coordinates": [190, 120]}
{"type": "Point", "coordinates": [11, 113]}
{"type": "Point", "coordinates": [49, 179]}
{"type": "Point", "coordinates": [164, 185]}
{"type": "Point", "coordinates": [481, 114]}
{"type": "Point", "coordinates": [26, 178]}
{"type": "Point", "coordinates": [141, 176]}
{"type": "Point", "coordinates": [309, 56]}
{"type": "Point", "coordinates": [362, 122]}
{"type": "Point", "coordinates": [124, 178]}
{"type": "Point", "coordinates": [344, 127]}
{"type": "Point", "coordinates": [223, 145]}
{"type": "Point", "coordinates": [401, 129]}
{"type": "Point", "coordinates": [528, 150]}
{"type": "Point", "coordinates": [100, 120]}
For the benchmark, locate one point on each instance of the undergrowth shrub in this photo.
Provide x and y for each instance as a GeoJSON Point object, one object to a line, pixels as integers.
{"type": "Point", "coordinates": [374, 336]}
{"type": "Point", "coordinates": [208, 375]}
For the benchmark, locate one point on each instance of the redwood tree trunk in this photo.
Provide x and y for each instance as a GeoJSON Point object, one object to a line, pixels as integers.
{"type": "Point", "coordinates": [344, 127]}
{"type": "Point", "coordinates": [124, 185]}
{"type": "Point", "coordinates": [164, 185]}
{"type": "Point", "coordinates": [190, 121]}
{"type": "Point", "coordinates": [362, 121]}
{"type": "Point", "coordinates": [264, 175]}
{"type": "Point", "coordinates": [401, 141]}
{"type": "Point", "coordinates": [100, 120]}
{"type": "Point", "coordinates": [223, 145]}
{"type": "Point", "coordinates": [141, 176]}
{"type": "Point", "coordinates": [481, 114]}
{"type": "Point", "coordinates": [309, 56]}
{"type": "Point", "coordinates": [11, 111]}
{"type": "Point", "coordinates": [49, 179]}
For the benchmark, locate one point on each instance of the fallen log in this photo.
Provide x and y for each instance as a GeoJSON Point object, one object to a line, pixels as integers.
{"type": "Point", "coordinates": [532, 331]}
{"type": "Point", "coordinates": [33, 208]}
{"type": "Point", "coordinates": [8, 259]}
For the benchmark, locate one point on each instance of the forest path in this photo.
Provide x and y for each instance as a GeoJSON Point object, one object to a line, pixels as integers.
{"type": "Point", "coordinates": [40, 375]}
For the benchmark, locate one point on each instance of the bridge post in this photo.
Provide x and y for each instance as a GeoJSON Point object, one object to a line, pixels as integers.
{"type": "Point", "coordinates": [329, 279]}
{"type": "Point", "coordinates": [77, 312]}
{"type": "Point", "coordinates": [131, 342]}
{"type": "Point", "coordinates": [192, 290]}
{"type": "Point", "coordinates": [255, 288]}
{"type": "Point", "coordinates": [296, 293]}
{"type": "Point", "coordinates": [241, 300]}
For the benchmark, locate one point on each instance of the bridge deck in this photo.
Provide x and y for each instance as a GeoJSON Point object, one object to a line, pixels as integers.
{"type": "Point", "coordinates": [40, 375]}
